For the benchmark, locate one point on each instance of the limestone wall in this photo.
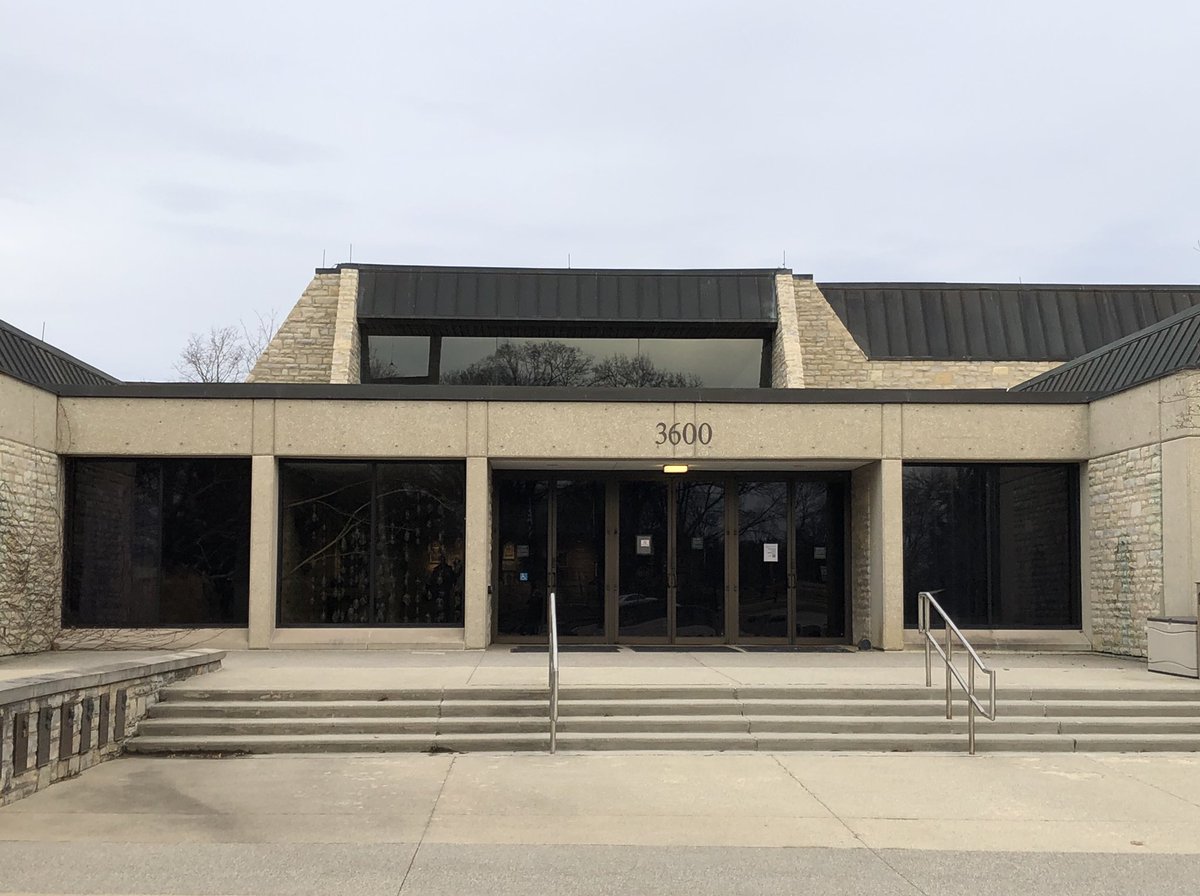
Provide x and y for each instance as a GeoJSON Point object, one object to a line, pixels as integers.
{"type": "Point", "coordinates": [831, 359]}
{"type": "Point", "coordinates": [30, 548]}
{"type": "Point", "coordinates": [30, 519]}
{"type": "Point", "coordinates": [302, 351]}
{"type": "Point", "coordinates": [346, 348]}
{"type": "Point", "coordinates": [1125, 547]}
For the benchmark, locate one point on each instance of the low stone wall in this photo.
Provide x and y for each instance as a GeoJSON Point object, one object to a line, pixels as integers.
{"type": "Point", "coordinates": [56, 725]}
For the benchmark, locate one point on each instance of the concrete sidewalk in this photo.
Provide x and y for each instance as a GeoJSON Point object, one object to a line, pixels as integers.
{"type": "Point", "coordinates": [663, 823]}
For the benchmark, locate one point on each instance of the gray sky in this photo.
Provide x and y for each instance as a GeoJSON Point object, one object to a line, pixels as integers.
{"type": "Point", "coordinates": [168, 166]}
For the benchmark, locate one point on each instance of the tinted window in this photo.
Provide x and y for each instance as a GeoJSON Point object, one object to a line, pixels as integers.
{"type": "Point", "coordinates": [371, 544]}
{"type": "Point", "coordinates": [998, 540]}
{"type": "Point", "coordinates": [153, 542]}
{"type": "Point", "coordinates": [570, 362]}
{"type": "Point", "coordinates": [397, 357]}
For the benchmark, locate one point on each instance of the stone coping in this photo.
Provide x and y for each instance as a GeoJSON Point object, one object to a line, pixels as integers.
{"type": "Point", "coordinates": [18, 690]}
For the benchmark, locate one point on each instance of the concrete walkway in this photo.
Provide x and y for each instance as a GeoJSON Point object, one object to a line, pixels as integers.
{"type": "Point", "coordinates": [635, 823]}
{"type": "Point", "coordinates": [501, 666]}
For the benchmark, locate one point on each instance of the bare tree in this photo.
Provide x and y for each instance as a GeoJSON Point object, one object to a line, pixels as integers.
{"type": "Point", "coordinates": [225, 354]}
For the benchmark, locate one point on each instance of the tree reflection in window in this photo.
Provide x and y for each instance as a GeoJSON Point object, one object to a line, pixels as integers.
{"type": "Point", "coordinates": [553, 363]}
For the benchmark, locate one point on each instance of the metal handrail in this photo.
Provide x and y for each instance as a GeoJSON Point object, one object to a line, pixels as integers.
{"type": "Point", "coordinates": [925, 601]}
{"type": "Point", "coordinates": [553, 614]}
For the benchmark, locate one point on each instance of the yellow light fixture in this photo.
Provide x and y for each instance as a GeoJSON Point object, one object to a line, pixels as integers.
{"type": "Point", "coordinates": [675, 468]}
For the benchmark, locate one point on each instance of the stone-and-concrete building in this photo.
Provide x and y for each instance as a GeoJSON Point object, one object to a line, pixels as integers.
{"type": "Point", "coordinates": [684, 457]}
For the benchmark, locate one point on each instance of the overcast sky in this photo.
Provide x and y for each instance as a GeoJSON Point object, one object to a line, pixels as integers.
{"type": "Point", "coordinates": [168, 166]}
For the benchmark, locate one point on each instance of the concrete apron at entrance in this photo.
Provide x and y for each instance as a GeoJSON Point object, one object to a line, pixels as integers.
{"type": "Point", "coordinates": [624, 699]}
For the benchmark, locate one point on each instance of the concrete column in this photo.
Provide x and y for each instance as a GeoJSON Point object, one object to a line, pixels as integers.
{"type": "Point", "coordinates": [887, 554]}
{"type": "Point", "coordinates": [264, 548]}
{"type": "Point", "coordinates": [477, 610]}
{"type": "Point", "coordinates": [1180, 525]}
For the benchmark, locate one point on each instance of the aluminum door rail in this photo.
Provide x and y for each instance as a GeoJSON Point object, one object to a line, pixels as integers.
{"type": "Point", "coordinates": [553, 651]}
{"type": "Point", "coordinates": [926, 602]}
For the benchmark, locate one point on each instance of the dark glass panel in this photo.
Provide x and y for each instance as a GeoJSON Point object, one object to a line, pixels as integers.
{"type": "Point", "coordinates": [325, 543]}
{"type": "Point", "coordinates": [419, 549]}
{"type": "Point", "coordinates": [762, 559]}
{"type": "Point", "coordinates": [700, 559]}
{"type": "Point", "coordinates": [946, 540]}
{"type": "Point", "coordinates": [1035, 554]}
{"type": "Point", "coordinates": [642, 595]}
{"type": "Point", "coordinates": [605, 362]}
{"type": "Point", "coordinates": [523, 507]}
{"type": "Point", "coordinates": [998, 539]}
{"type": "Point", "coordinates": [579, 563]}
{"type": "Point", "coordinates": [460, 352]}
{"type": "Point", "coordinates": [820, 603]}
{"type": "Point", "coordinates": [397, 357]}
{"type": "Point", "coordinates": [157, 542]}
{"type": "Point", "coordinates": [714, 363]}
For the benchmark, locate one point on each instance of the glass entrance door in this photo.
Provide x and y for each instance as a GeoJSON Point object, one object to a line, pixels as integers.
{"type": "Point", "coordinates": [671, 560]}
{"type": "Point", "coordinates": [644, 560]}
{"type": "Point", "coordinates": [765, 579]}
{"type": "Point", "coordinates": [700, 586]}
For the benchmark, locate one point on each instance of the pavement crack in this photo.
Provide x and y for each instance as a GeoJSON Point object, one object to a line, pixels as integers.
{"type": "Point", "coordinates": [428, 824]}
{"type": "Point", "coordinates": [853, 833]}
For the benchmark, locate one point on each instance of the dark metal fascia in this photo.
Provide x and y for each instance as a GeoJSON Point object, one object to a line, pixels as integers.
{"type": "Point", "coordinates": [432, 393]}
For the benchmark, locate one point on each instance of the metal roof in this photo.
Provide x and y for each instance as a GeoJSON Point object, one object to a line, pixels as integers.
{"type": "Point", "coordinates": [998, 322]}
{"type": "Point", "coordinates": [1166, 347]}
{"type": "Point", "coordinates": [742, 299]}
{"type": "Point", "coordinates": [28, 358]}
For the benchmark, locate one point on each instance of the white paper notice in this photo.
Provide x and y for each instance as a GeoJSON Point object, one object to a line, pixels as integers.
{"type": "Point", "coordinates": [770, 553]}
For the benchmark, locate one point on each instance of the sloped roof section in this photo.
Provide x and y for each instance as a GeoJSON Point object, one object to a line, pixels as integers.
{"type": "Point", "coordinates": [1157, 351]}
{"type": "Point", "coordinates": [566, 296]}
{"type": "Point", "coordinates": [998, 322]}
{"type": "Point", "coordinates": [26, 358]}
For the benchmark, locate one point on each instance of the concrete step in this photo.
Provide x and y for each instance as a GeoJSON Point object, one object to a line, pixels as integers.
{"type": "Point", "coordinates": [333, 743]}
{"type": "Point", "coordinates": [184, 727]}
{"type": "Point", "coordinates": [190, 692]}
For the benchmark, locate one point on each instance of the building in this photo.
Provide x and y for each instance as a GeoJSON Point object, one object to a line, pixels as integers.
{"type": "Point", "coordinates": [422, 453]}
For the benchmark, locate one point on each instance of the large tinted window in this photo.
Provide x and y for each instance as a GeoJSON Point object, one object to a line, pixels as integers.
{"type": "Point", "coordinates": [998, 540]}
{"type": "Point", "coordinates": [157, 542]}
{"type": "Point", "coordinates": [526, 361]}
{"type": "Point", "coordinates": [371, 543]}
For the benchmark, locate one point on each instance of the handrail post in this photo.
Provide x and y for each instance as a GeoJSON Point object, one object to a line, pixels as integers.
{"type": "Point", "coordinates": [923, 623]}
{"type": "Point", "coordinates": [949, 664]}
{"type": "Point", "coordinates": [971, 708]}
{"type": "Point", "coordinates": [553, 656]}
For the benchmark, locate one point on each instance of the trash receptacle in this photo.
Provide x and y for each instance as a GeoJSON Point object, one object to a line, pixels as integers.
{"type": "Point", "coordinates": [1172, 645]}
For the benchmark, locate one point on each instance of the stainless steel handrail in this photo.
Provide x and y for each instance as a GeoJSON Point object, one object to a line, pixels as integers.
{"type": "Point", "coordinates": [925, 601]}
{"type": "Point", "coordinates": [553, 614]}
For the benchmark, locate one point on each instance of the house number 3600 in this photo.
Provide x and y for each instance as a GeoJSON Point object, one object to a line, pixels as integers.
{"type": "Point", "coordinates": [686, 434]}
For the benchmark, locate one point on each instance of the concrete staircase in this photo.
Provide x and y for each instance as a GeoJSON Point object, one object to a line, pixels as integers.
{"type": "Point", "coordinates": [190, 719]}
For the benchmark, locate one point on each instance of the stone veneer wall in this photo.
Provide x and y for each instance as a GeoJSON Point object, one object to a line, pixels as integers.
{"type": "Point", "coordinates": [302, 351]}
{"type": "Point", "coordinates": [346, 348]}
{"type": "Point", "coordinates": [787, 365]}
{"type": "Point", "coordinates": [833, 360]}
{"type": "Point", "coordinates": [1125, 547]}
{"type": "Point", "coordinates": [30, 548]}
